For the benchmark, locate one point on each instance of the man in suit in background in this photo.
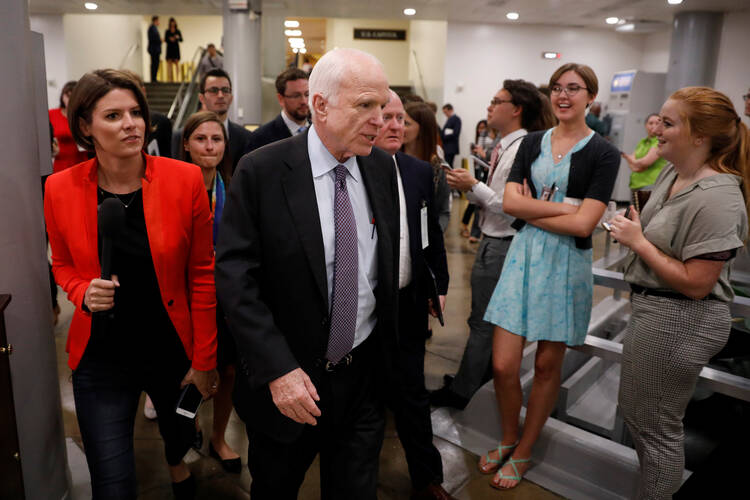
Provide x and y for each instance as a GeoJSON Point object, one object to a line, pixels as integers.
{"type": "Point", "coordinates": [154, 46]}
{"type": "Point", "coordinates": [292, 93]}
{"type": "Point", "coordinates": [421, 245]}
{"type": "Point", "coordinates": [306, 268]}
{"type": "Point", "coordinates": [216, 95]}
{"type": "Point", "coordinates": [450, 133]}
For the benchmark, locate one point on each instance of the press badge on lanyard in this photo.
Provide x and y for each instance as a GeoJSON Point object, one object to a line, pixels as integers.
{"type": "Point", "coordinates": [423, 226]}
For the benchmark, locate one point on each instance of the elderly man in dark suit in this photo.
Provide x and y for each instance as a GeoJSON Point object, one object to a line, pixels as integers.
{"type": "Point", "coordinates": [292, 93]}
{"type": "Point", "coordinates": [306, 272]}
{"type": "Point", "coordinates": [421, 253]}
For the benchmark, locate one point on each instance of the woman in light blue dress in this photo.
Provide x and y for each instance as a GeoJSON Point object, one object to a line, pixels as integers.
{"type": "Point", "coordinates": [558, 190]}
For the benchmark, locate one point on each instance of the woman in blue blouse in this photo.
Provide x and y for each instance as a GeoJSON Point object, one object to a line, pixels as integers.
{"type": "Point", "coordinates": [558, 189]}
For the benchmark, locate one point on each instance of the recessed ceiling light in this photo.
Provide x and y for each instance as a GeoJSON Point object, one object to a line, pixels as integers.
{"type": "Point", "coordinates": [293, 32]}
{"type": "Point", "coordinates": [303, 50]}
{"type": "Point", "coordinates": [295, 50]}
{"type": "Point", "coordinates": [674, 2]}
{"type": "Point", "coordinates": [291, 24]}
{"type": "Point", "coordinates": [626, 27]}
{"type": "Point", "coordinates": [612, 20]}
{"type": "Point", "coordinates": [410, 12]}
{"type": "Point", "coordinates": [512, 16]}
{"type": "Point", "coordinates": [90, 6]}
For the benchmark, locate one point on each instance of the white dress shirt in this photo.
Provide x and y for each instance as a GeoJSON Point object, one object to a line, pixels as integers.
{"type": "Point", "coordinates": [492, 220]}
{"type": "Point", "coordinates": [294, 127]}
{"type": "Point", "coordinates": [404, 253]}
{"type": "Point", "coordinates": [324, 177]}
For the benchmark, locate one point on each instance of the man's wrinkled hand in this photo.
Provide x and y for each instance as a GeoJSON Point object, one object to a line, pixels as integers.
{"type": "Point", "coordinates": [295, 395]}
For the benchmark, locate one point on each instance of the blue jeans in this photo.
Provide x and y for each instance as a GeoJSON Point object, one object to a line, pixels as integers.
{"type": "Point", "coordinates": [106, 394]}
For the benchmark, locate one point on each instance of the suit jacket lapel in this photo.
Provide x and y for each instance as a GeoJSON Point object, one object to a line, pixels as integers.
{"type": "Point", "coordinates": [411, 196]}
{"type": "Point", "coordinates": [303, 206]}
{"type": "Point", "coordinates": [379, 194]}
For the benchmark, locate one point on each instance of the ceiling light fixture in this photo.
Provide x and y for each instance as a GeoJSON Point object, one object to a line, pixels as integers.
{"type": "Point", "coordinates": [512, 16]}
{"type": "Point", "coordinates": [295, 50]}
{"type": "Point", "coordinates": [626, 27]}
{"type": "Point", "coordinates": [291, 24]}
{"type": "Point", "coordinates": [90, 6]}
{"type": "Point", "coordinates": [612, 20]}
{"type": "Point", "coordinates": [293, 32]}
{"type": "Point", "coordinates": [410, 12]}
{"type": "Point", "coordinates": [674, 2]}
{"type": "Point", "coordinates": [303, 50]}
{"type": "Point", "coordinates": [551, 55]}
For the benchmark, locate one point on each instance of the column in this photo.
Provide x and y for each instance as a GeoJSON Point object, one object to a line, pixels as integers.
{"type": "Point", "coordinates": [694, 50]}
{"type": "Point", "coordinates": [23, 264]}
{"type": "Point", "coordinates": [242, 58]}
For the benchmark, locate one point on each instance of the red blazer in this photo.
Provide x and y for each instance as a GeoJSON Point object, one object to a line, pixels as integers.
{"type": "Point", "coordinates": [179, 227]}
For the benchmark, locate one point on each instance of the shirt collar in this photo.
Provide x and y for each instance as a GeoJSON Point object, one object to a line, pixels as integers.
{"type": "Point", "coordinates": [508, 139]}
{"type": "Point", "coordinates": [291, 124]}
{"type": "Point", "coordinates": [322, 161]}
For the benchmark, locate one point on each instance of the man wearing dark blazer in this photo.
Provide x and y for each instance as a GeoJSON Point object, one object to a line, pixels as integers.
{"type": "Point", "coordinates": [154, 47]}
{"type": "Point", "coordinates": [292, 93]}
{"type": "Point", "coordinates": [450, 133]}
{"type": "Point", "coordinates": [421, 253]}
{"type": "Point", "coordinates": [306, 273]}
{"type": "Point", "coordinates": [216, 95]}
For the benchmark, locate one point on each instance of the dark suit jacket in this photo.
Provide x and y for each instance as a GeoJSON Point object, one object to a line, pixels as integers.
{"type": "Point", "coordinates": [271, 272]}
{"type": "Point", "coordinates": [450, 142]}
{"type": "Point", "coordinates": [162, 132]}
{"type": "Point", "coordinates": [416, 176]}
{"type": "Point", "coordinates": [154, 41]}
{"type": "Point", "coordinates": [273, 131]}
{"type": "Point", "coordinates": [239, 144]}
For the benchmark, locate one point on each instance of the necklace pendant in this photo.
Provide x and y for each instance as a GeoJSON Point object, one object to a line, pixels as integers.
{"type": "Point", "coordinates": [559, 157]}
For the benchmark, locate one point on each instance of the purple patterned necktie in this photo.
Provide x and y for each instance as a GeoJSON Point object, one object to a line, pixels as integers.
{"type": "Point", "coordinates": [345, 295]}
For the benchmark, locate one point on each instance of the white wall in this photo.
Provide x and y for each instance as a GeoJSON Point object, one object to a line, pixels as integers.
{"type": "Point", "coordinates": [656, 52]}
{"type": "Point", "coordinates": [480, 56]}
{"type": "Point", "coordinates": [393, 54]}
{"type": "Point", "coordinates": [94, 41]}
{"type": "Point", "coordinates": [733, 70]}
{"type": "Point", "coordinates": [427, 39]}
{"type": "Point", "coordinates": [196, 31]}
{"type": "Point", "coordinates": [55, 59]}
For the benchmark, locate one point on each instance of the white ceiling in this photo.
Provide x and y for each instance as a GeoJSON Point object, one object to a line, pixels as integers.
{"type": "Point", "coordinates": [558, 12]}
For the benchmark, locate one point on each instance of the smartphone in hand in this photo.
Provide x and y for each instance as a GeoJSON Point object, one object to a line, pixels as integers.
{"type": "Point", "coordinates": [189, 402]}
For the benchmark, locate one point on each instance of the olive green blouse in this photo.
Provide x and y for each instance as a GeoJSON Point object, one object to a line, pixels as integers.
{"type": "Point", "coordinates": [706, 217]}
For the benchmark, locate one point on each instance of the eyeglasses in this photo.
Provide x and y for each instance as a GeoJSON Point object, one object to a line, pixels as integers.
{"type": "Point", "coordinates": [496, 100]}
{"type": "Point", "coordinates": [570, 90]}
{"type": "Point", "coordinates": [306, 95]}
{"type": "Point", "coordinates": [746, 97]}
{"type": "Point", "coordinates": [216, 90]}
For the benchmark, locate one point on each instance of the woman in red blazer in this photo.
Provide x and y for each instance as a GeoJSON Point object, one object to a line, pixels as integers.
{"type": "Point", "coordinates": [158, 333]}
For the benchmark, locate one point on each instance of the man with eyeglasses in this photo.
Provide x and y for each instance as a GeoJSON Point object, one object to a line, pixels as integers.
{"type": "Point", "coordinates": [293, 94]}
{"type": "Point", "coordinates": [516, 109]}
{"type": "Point", "coordinates": [216, 95]}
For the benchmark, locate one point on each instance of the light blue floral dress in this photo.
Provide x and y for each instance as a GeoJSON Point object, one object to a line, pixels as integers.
{"type": "Point", "coordinates": [545, 289]}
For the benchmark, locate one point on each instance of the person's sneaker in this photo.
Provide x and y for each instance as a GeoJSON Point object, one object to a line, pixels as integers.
{"type": "Point", "coordinates": [446, 397]}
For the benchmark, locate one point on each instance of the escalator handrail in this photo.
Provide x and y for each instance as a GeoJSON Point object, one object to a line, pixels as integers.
{"type": "Point", "coordinates": [185, 89]}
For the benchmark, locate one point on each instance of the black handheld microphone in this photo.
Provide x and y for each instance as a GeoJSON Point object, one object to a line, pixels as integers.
{"type": "Point", "coordinates": [111, 220]}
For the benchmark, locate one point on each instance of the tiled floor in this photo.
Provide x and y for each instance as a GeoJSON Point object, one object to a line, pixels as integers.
{"type": "Point", "coordinates": [444, 351]}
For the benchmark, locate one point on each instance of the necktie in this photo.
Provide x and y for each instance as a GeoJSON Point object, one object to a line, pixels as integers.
{"type": "Point", "coordinates": [301, 129]}
{"type": "Point", "coordinates": [494, 158]}
{"type": "Point", "coordinates": [345, 294]}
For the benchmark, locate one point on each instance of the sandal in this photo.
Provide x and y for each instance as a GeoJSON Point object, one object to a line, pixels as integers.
{"type": "Point", "coordinates": [517, 477]}
{"type": "Point", "coordinates": [495, 463]}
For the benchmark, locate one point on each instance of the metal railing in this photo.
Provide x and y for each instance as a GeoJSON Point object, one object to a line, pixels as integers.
{"type": "Point", "coordinates": [129, 54]}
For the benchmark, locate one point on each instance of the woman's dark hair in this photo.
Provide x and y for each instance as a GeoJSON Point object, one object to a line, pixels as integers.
{"type": "Point", "coordinates": [476, 130]}
{"type": "Point", "coordinates": [536, 110]}
{"type": "Point", "coordinates": [193, 122]}
{"type": "Point", "coordinates": [67, 89]}
{"type": "Point", "coordinates": [169, 24]}
{"type": "Point", "coordinates": [427, 139]}
{"type": "Point", "coordinates": [87, 92]}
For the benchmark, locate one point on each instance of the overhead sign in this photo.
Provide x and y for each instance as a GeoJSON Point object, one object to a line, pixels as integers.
{"type": "Point", "coordinates": [379, 34]}
{"type": "Point", "coordinates": [622, 81]}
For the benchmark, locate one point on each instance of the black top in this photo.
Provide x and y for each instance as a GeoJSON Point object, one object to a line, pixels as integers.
{"type": "Point", "coordinates": [593, 172]}
{"type": "Point", "coordinates": [173, 46]}
{"type": "Point", "coordinates": [138, 325]}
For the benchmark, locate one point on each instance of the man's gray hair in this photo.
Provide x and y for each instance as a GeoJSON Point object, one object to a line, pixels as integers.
{"type": "Point", "coordinates": [331, 70]}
